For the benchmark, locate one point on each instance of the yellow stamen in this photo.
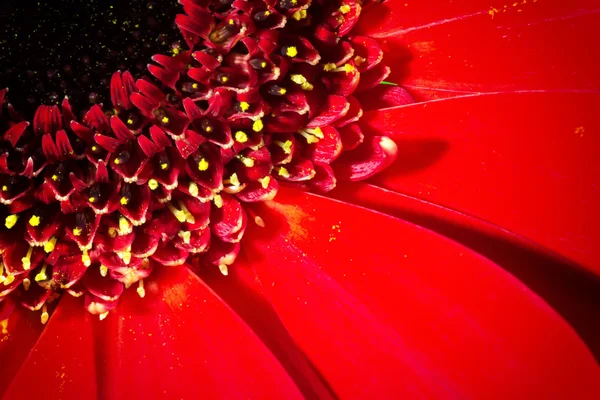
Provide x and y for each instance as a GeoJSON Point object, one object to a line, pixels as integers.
{"type": "Point", "coordinates": [300, 14]}
{"type": "Point", "coordinates": [92, 199]}
{"type": "Point", "coordinates": [345, 9]}
{"type": "Point", "coordinates": [195, 86]}
{"type": "Point", "coordinates": [241, 137]}
{"type": "Point", "coordinates": [11, 220]}
{"type": "Point", "coordinates": [248, 162]}
{"type": "Point", "coordinates": [9, 279]}
{"type": "Point", "coordinates": [129, 121]}
{"type": "Point", "coordinates": [193, 189]}
{"type": "Point", "coordinates": [185, 236]}
{"type": "Point", "coordinates": [27, 259]}
{"type": "Point", "coordinates": [234, 180]}
{"type": "Point", "coordinates": [244, 106]}
{"type": "Point", "coordinates": [257, 126]}
{"type": "Point", "coordinates": [103, 270]}
{"type": "Point", "coordinates": [77, 231]}
{"type": "Point", "coordinates": [165, 120]}
{"type": "Point", "coordinates": [103, 315]}
{"type": "Point", "coordinates": [85, 258]}
{"type": "Point", "coordinates": [223, 269]}
{"type": "Point", "coordinates": [203, 165]}
{"type": "Point", "coordinates": [182, 215]}
{"type": "Point", "coordinates": [41, 276]}
{"type": "Point", "coordinates": [291, 51]}
{"type": "Point", "coordinates": [164, 166]}
{"type": "Point", "coordinates": [286, 146]}
{"type": "Point", "coordinates": [265, 181]}
{"type": "Point", "coordinates": [329, 67]}
{"type": "Point", "coordinates": [124, 201]}
{"type": "Point", "coordinates": [54, 178]}
{"type": "Point", "coordinates": [140, 290]}
{"type": "Point", "coordinates": [218, 200]}
{"type": "Point", "coordinates": [153, 184]}
{"type": "Point", "coordinates": [45, 316]}
{"type": "Point", "coordinates": [50, 245]}
{"type": "Point", "coordinates": [4, 324]}
{"type": "Point", "coordinates": [284, 172]}
{"type": "Point", "coordinates": [282, 91]}
{"type": "Point", "coordinates": [125, 226]}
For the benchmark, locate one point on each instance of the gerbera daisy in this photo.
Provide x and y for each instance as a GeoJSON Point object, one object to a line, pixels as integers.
{"type": "Point", "coordinates": [157, 180]}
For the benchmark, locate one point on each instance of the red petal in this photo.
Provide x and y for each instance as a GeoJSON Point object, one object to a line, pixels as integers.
{"type": "Point", "coordinates": [443, 323]}
{"type": "Point", "coordinates": [166, 336]}
{"type": "Point", "coordinates": [66, 348]}
{"type": "Point", "coordinates": [16, 341]}
{"type": "Point", "coordinates": [506, 162]}
{"type": "Point", "coordinates": [472, 46]}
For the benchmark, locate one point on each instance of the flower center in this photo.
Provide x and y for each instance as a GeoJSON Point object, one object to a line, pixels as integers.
{"type": "Point", "coordinates": [49, 49]}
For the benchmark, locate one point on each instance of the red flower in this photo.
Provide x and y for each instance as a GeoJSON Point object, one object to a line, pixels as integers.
{"type": "Point", "coordinates": [326, 299]}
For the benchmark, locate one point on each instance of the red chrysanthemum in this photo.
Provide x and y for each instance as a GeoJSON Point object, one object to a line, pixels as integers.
{"type": "Point", "coordinates": [494, 132]}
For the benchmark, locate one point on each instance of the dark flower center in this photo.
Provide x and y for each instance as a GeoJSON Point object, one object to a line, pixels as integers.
{"type": "Point", "coordinates": [49, 49]}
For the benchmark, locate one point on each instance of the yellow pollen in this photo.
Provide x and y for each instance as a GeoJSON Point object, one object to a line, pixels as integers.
{"type": "Point", "coordinates": [345, 9]}
{"type": "Point", "coordinates": [27, 259]}
{"type": "Point", "coordinates": [284, 172]}
{"type": "Point", "coordinates": [257, 126]}
{"type": "Point", "coordinates": [218, 201]}
{"type": "Point", "coordinates": [241, 137]}
{"type": "Point", "coordinates": [329, 67]}
{"type": "Point", "coordinates": [282, 91]}
{"type": "Point", "coordinates": [103, 270]}
{"type": "Point", "coordinates": [11, 220]}
{"type": "Point", "coordinates": [85, 258]}
{"type": "Point", "coordinates": [234, 180]}
{"type": "Point", "coordinates": [112, 232]}
{"type": "Point", "coordinates": [265, 181]}
{"type": "Point", "coordinates": [358, 60]}
{"type": "Point", "coordinates": [263, 64]}
{"type": "Point", "coordinates": [92, 199]}
{"type": "Point", "coordinates": [231, 22]}
{"type": "Point", "coordinates": [349, 68]}
{"type": "Point", "coordinates": [130, 121]}
{"type": "Point", "coordinates": [203, 165]}
{"type": "Point", "coordinates": [4, 324]}
{"type": "Point", "coordinates": [117, 161]}
{"type": "Point", "coordinates": [54, 178]}
{"type": "Point", "coordinates": [50, 244]}
{"type": "Point", "coordinates": [41, 276]}
{"type": "Point", "coordinates": [77, 231]}
{"type": "Point", "coordinates": [300, 14]}
{"type": "Point", "coordinates": [291, 51]}
{"type": "Point", "coordinates": [244, 106]}
{"type": "Point", "coordinates": [140, 290]}
{"type": "Point", "coordinates": [103, 316]}
{"type": "Point", "coordinates": [193, 189]}
{"type": "Point", "coordinates": [165, 120]}
{"type": "Point", "coordinates": [153, 184]}
{"type": "Point", "coordinates": [267, 13]}
{"type": "Point", "coordinates": [4, 188]}
{"type": "Point", "coordinates": [224, 79]}
{"type": "Point", "coordinates": [124, 201]}
{"type": "Point", "coordinates": [94, 148]}
{"type": "Point", "coordinates": [194, 86]}
{"type": "Point", "coordinates": [164, 166]}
